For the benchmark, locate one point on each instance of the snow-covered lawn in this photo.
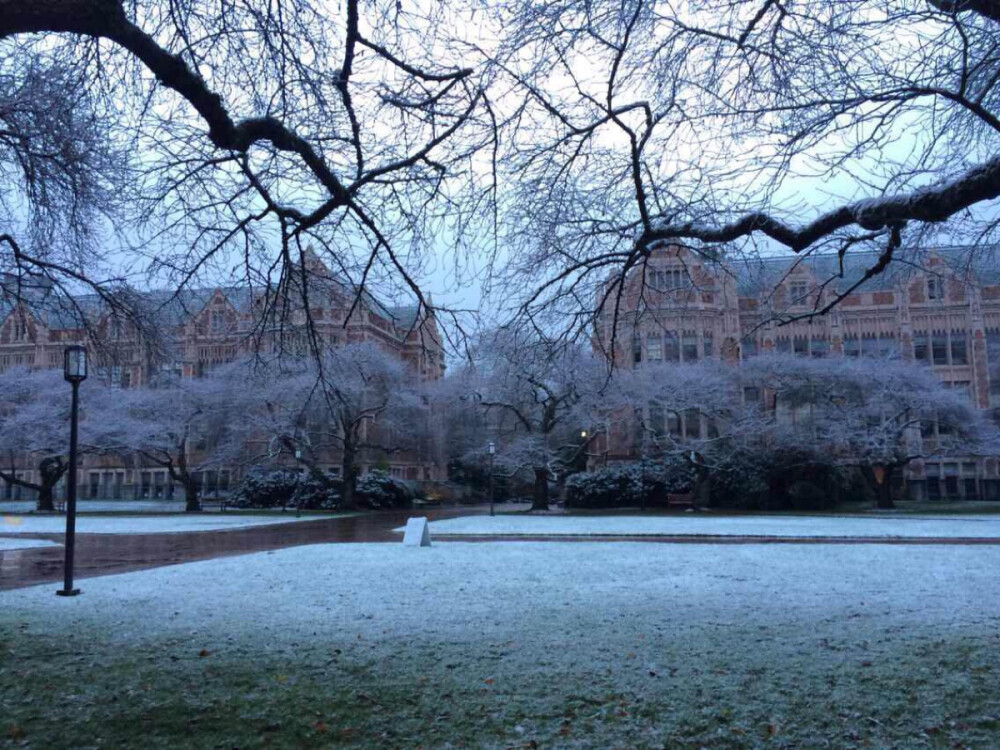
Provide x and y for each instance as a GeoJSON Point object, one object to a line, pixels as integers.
{"type": "Point", "coordinates": [11, 524]}
{"type": "Point", "coordinates": [496, 645]}
{"type": "Point", "coordinates": [103, 506]}
{"type": "Point", "coordinates": [454, 590]}
{"type": "Point", "coordinates": [700, 525]}
{"type": "Point", "coordinates": [8, 543]}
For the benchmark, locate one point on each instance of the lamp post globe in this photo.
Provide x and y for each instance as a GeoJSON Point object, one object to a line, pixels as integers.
{"type": "Point", "coordinates": [75, 364]}
{"type": "Point", "coordinates": [74, 372]}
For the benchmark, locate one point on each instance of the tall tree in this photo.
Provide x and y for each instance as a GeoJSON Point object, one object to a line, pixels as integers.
{"type": "Point", "coordinates": [184, 425]}
{"type": "Point", "coordinates": [34, 428]}
{"type": "Point", "coordinates": [540, 396]}
{"type": "Point", "coordinates": [354, 402]}
{"type": "Point", "coordinates": [871, 413]}
{"type": "Point", "coordinates": [260, 127]}
{"type": "Point", "coordinates": [63, 180]}
{"type": "Point", "coordinates": [803, 125]}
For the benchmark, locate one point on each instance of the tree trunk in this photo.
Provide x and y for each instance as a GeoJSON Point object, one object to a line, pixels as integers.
{"type": "Point", "coordinates": [883, 489]}
{"type": "Point", "coordinates": [349, 474]}
{"type": "Point", "coordinates": [883, 492]}
{"type": "Point", "coordinates": [191, 502]}
{"type": "Point", "coordinates": [46, 498]}
{"type": "Point", "coordinates": [51, 470]}
{"type": "Point", "coordinates": [14, 481]}
{"type": "Point", "coordinates": [540, 499]}
{"type": "Point", "coordinates": [702, 490]}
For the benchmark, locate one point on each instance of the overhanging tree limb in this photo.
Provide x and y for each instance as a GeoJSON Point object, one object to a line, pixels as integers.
{"type": "Point", "coordinates": [931, 204]}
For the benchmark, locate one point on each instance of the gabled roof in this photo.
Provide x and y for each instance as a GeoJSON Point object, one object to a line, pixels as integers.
{"type": "Point", "coordinates": [754, 276]}
{"type": "Point", "coordinates": [169, 309]}
{"type": "Point", "coordinates": [404, 317]}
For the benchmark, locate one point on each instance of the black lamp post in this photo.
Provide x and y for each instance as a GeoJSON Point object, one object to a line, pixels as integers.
{"type": "Point", "coordinates": [493, 450]}
{"type": "Point", "coordinates": [75, 372]}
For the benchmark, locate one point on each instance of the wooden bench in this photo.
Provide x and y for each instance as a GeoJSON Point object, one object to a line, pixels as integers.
{"type": "Point", "coordinates": [680, 500]}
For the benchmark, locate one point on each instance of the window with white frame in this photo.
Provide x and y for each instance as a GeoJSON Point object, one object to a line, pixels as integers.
{"type": "Point", "coordinates": [689, 346]}
{"type": "Point", "coordinates": [934, 288]}
{"type": "Point", "coordinates": [959, 348]}
{"type": "Point", "coordinates": [654, 348]}
{"type": "Point", "coordinates": [798, 291]}
{"type": "Point", "coordinates": [671, 347]}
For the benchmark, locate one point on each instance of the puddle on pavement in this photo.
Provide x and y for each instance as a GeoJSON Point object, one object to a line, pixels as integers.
{"type": "Point", "coordinates": [103, 554]}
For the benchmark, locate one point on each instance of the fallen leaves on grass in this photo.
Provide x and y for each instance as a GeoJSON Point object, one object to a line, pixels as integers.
{"type": "Point", "coordinates": [14, 732]}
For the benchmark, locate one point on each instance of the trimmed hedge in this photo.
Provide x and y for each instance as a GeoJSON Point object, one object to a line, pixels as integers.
{"type": "Point", "coordinates": [629, 485]}
{"type": "Point", "coordinates": [280, 491]}
{"type": "Point", "coordinates": [377, 490]}
{"type": "Point", "coordinates": [776, 480]}
{"type": "Point", "coordinates": [739, 479]}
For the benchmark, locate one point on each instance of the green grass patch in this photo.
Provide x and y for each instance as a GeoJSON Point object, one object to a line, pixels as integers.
{"type": "Point", "coordinates": [87, 690]}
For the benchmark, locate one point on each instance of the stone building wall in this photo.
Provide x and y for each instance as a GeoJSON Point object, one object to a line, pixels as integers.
{"type": "Point", "coordinates": [205, 328]}
{"type": "Point", "coordinates": [940, 307]}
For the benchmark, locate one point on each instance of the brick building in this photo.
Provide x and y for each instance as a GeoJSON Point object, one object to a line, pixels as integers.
{"type": "Point", "coordinates": [198, 330]}
{"type": "Point", "coordinates": [939, 307]}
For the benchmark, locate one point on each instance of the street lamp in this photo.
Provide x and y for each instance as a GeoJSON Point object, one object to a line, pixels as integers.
{"type": "Point", "coordinates": [75, 372]}
{"type": "Point", "coordinates": [492, 449]}
{"type": "Point", "coordinates": [642, 467]}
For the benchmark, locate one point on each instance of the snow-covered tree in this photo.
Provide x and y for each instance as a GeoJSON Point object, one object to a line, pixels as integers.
{"type": "Point", "coordinates": [539, 397]}
{"type": "Point", "coordinates": [676, 411]}
{"type": "Point", "coordinates": [674, 406]}
{"type": "Point", "coordinates": [34, 426]}
{"type": "Point", "coordinates": [63, 181]}
{"type": "Point", "coordinates": [351, 401]}
{"type": "Point", "coordinates": [458, 422]}
{"type": "Point", "coordinates": [875, 414]}
{"type": "Point", "coordinates": [185, 425]}
{"type": "Point", "coordinates": [805, 125]}
{"type": "Point", "coordinates": [34, 414]}
{"type": "Point", "coordinates": [263, 126]}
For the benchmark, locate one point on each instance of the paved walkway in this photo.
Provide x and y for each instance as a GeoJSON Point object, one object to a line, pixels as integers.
{"type": "Point", "coordinates": [105, 554]}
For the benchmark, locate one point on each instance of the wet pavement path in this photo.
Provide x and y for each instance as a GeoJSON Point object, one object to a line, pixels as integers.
{"type": "Point", "coordinates": [105, 554]}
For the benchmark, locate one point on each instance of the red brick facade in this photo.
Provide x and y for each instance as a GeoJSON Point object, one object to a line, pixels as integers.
{"type": "Point", "coordinates": [940, 307]}
{"type": "Point", "coordinates": [204, 328]}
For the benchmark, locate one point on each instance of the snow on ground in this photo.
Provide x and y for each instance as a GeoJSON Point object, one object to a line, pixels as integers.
{"type": "Point", "coordinates": [559, 592]}
{"type": "Point", "coordinates": [143, 524]}
{"type": "Point", "coordinates": [7, 543]}
{"type": "Point", "coordinates": [701, 525]}
{"type": "Point", "coordinates": [606, 644]}
{"type": "Point", "coordinates": [107, 506]}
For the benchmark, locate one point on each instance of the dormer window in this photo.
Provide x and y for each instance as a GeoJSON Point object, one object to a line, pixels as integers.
{"type": "Point", "coordinates": [20, 330]}
{"type": "Point", "coordinates": [798, 292]}
{"type": "Point", "coordinates": [934, 288]}
{"type": "Point", "coordinates": [218, 321]}
{"type": "Point", "coordinates": [669, 279]}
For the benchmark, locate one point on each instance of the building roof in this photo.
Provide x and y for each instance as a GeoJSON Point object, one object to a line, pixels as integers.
{"type": "Point", "coordinates": [167, 308]}
{"type": "Point", "coordinates": [755, 275]}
